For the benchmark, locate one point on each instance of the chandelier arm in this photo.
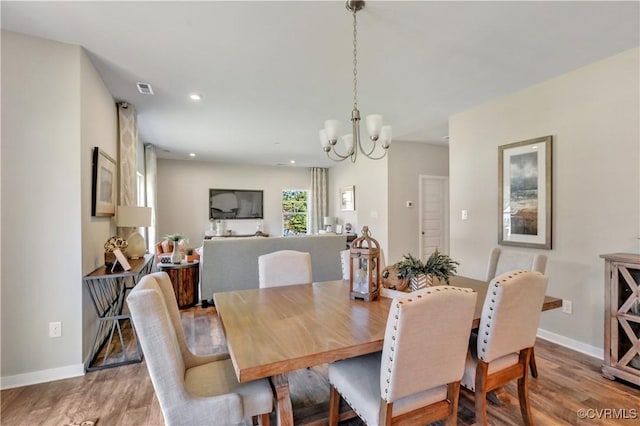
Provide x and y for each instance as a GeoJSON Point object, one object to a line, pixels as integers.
{"type": "Point", "coordinates": [373, 148]}
{"type": "Point", "coordinates": [337, 160]}
{"type": "Point", "coordinates": [339, 156]}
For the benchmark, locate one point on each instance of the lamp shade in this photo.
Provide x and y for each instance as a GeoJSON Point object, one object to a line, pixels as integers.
{"type": "Point", "coordinates": [133, 216]}
{"type": "Point", "coordinates": [328, 220]}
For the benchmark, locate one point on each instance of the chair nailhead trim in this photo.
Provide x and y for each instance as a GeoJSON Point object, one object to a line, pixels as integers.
{"type": "Point", "coordinates": [487, 326]}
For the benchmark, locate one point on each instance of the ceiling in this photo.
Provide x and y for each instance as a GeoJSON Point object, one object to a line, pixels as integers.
{"type": "Point", "coordinates": [270, 73]}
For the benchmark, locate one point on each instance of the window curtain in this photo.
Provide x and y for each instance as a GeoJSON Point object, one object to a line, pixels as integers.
{"type": "Point", "coordinates": [319, 202]}
{"type": "Point", "coordinates": [128, 141]}
{"type": "Point", "coordinates": [151, 183]}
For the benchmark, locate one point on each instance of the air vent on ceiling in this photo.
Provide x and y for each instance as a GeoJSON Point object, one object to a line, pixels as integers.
{"type": "Point", "coordinates": [145, 88]}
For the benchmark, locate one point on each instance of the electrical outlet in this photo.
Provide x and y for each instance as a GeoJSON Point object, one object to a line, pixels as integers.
{"type": "Point", "coordinates": [464, 215]}
{"type": "Point", "coordinates": [55, 329]}
{"type": "Point", "coordinates": [567, 306]}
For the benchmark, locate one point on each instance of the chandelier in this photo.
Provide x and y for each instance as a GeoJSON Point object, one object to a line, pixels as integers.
{"type": "Point", "coordinates": [378, 134]}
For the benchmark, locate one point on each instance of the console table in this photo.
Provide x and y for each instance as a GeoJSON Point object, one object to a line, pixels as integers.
{"type": "Point", "coordinates": [622, 317]}
{"type": "Point", "coordinates": [108, 290]}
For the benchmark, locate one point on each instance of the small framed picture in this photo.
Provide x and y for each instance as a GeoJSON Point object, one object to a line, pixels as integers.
{"type": "Point", "coordinates": [347, 198]}
{"type": "Point", "coordinates": [122, 259]}
{"type": "Point", "coordinates": [338, 229]}
{"type": "Point", "coordinates": [103, 194]}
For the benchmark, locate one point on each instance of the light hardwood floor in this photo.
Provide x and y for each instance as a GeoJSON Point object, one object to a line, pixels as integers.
{"type": "Point", "coordinates": [568, 382]}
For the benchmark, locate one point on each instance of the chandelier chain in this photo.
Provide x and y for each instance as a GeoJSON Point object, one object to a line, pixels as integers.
{"type": "Point", "coordinates": [355, 61]}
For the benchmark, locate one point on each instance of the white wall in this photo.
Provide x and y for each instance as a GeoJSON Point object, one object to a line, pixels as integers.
{"type": "Point", "coordinates": [41, 202]}
{"type": "Point", "coordinates": [593, 115]}
{"type": "Point", "coordinates": [49, 238]}
{"type": "Point", "coordinates": [183, 194]}
{"type": "Point", "coordinates": [407, 161]}
{"type": "Point", "coordinates": [371, 186]}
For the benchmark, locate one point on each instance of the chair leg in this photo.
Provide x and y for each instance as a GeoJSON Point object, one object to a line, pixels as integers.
{"type": "Point", "coordinates": [453, 395]}
{"type": "Point", "coordinates": [523, 388]}
{"type": "Point", "coordinates": [264, 420]}
{"type": "Point", "coordinates": [334, 406]}
{"type": "Point", "coordinates": [523, 396]}
{"type": "Point", "coordinates": [532, 365]}
{"type": "Point", "coordinates": [482, 370]}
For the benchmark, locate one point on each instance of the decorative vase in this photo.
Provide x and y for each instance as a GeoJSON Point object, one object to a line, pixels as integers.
{"type": "Point", "coordinates": [421, 281]}
{"type": "Point", "coordinates": [176, 256]}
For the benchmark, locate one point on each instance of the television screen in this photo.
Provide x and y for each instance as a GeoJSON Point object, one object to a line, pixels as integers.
{"type": "Point", "coordinates": [235, 204]}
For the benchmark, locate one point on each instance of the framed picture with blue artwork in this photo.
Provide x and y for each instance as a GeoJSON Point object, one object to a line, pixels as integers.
{"type": "Point", "coordinates": [524, 193]}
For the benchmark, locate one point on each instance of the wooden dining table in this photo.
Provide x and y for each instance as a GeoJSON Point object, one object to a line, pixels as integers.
{"type": "Point", "coordinates": [273, 331]}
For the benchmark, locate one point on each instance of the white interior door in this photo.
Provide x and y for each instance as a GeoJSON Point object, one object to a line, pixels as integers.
{"type": "Point", "coordinates": [434, 215]}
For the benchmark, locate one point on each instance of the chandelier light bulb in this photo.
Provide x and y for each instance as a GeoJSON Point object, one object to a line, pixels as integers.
{"type": "Point", "coordinates": [385, 136]}
{"type": "Point", "coordinates": [374, 124]}
{"type": "Point", "coordinates": [348, 143]}
{"type": "Point", "coordinates": [324, 140]}
{"type": "Point", "coordinates": [332, 127]}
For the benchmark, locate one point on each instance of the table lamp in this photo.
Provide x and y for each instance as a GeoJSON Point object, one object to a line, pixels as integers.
{"type": "Point", "coordinates": [328, 223]}
{"type": "Point", "coordinates": [134, 216]}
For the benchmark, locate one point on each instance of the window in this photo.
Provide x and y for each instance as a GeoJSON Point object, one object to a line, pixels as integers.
{"type": "Point", "coordinates": [294, 211]}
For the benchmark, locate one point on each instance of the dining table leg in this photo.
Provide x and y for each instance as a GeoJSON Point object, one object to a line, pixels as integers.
{"type": "Point", "coordinates": [284, 410]}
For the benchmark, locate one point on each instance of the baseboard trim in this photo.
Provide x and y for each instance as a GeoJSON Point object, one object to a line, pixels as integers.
{"type": "Point", "coordinates": [41, 376]}
{"type": "Point", "coordinates": [571, 343]}
{"type": "Point", "coordinates": [67, 372]}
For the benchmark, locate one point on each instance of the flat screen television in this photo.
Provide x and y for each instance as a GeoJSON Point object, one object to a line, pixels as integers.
{"type": "Point", "coordinates": [235, 204]}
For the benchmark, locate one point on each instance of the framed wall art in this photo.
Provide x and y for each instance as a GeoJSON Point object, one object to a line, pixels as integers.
{"type": "Point", "coordinates": [103, 193]}
{"type": "Point", "coordinates": [347, 198]}
{"type": "Point", "coordinates": [524, 193]}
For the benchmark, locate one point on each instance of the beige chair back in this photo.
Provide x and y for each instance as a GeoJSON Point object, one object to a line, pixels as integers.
{"type": "Point", "coordinates": [284, 267]}
{"type": "Point", "coordinates": [502, 261]}
{"type": "Point", "coordinates": [511, 314]}
{"type": "Point", "coordinates": [426, 341]}
{"type": "Point", "coordinates": [160, 338]}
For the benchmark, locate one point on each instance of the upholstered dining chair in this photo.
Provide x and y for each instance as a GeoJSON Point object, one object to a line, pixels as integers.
{"type": "Point", "coordinates": [284, 267]}
{"type": "Point", "coordinates": [416, 377]}
{"type": "Point", "coordinates": [500, 352]}
{"type": "Point", "coordinates": [192, 389]}
{"type": "Point", "coordinates": [502, 261]}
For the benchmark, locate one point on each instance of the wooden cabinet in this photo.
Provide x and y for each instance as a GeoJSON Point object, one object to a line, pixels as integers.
{"type": "Point", "coordinates": [184, 277]}
{"type": "Point", "coordinates": [622, 317]}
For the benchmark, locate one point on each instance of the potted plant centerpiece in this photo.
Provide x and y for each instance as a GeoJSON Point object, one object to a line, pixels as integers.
{"type": "Point", "coordinates": [176, 256]}
{"type": "Point", "coordinates": [411, 274]}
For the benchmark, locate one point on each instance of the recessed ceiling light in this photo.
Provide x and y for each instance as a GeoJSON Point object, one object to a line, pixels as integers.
{"type": "Point", "coordinates": [193, 154]}
{"type": "Point", "coordinates": [293, 161]}
{"type": "Point", "coordinates": [195, 96]}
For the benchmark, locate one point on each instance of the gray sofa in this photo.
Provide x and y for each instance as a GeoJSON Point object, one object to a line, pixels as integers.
{"type": "Point", "coordinates": [232, 263]}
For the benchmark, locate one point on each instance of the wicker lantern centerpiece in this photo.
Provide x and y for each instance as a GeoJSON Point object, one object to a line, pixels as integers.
{"type": "Point", "coordinates": [364, 280]}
